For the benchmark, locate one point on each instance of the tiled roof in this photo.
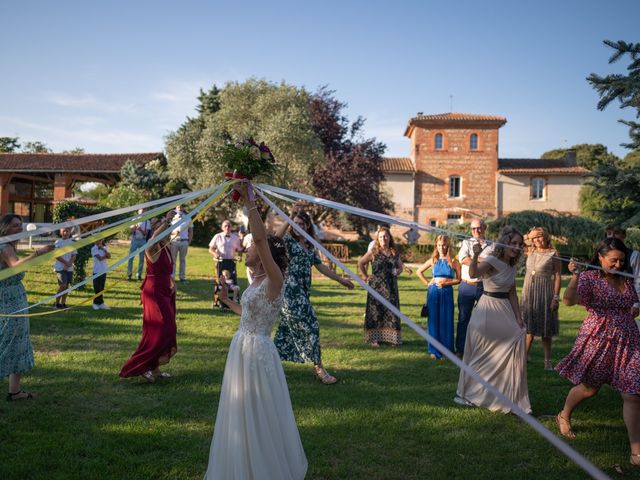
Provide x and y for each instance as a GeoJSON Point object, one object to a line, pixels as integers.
{"type": "Point", "coordinates": [63, 162]}
{"type": "Point", "coordinates": [540, 165]}
{"type": "Point", "coordinates": [457, 117]}
{"type": "Point", "coordinates": [397, 165]}
{"type": "Point", "coordinates": [453, 117]}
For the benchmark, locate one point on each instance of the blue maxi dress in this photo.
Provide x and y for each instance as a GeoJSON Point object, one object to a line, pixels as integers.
{"type": "Point", "coordinates": [440, 301]}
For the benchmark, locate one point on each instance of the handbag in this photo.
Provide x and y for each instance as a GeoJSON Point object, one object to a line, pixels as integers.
{"type": "Point", "coordinates": [424, 312]}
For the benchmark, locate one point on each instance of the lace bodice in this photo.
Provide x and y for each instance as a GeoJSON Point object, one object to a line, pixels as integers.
{"type": "Point", "coordinates": [258, 312]}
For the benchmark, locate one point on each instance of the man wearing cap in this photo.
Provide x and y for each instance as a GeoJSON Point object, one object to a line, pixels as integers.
{"type": "Point", "coordinates": [224, 247]}
{"type": "Point", "coordinates": [470, 289]}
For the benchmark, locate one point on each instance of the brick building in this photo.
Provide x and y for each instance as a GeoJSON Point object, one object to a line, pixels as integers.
{"type": "Point", "coordinates": [454, 173]}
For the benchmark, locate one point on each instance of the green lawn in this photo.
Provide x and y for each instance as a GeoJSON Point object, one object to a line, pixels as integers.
{"type": "Point", "coordinates": [391, 416]}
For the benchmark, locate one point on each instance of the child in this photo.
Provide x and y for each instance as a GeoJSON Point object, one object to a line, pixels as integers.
{"type": "Point", "coordinates": [100, 254]}
{"type": "Point", "coordinates": [232, 287]}
{"type": "Point", "coordinates": [63, 266]}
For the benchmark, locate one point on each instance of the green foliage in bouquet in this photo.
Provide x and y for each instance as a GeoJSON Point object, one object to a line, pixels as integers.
{"type": "Point", "coordinates": [248, 159]}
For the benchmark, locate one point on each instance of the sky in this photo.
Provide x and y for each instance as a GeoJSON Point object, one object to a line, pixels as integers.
{"type": "Point", "coordinates": [117, 76]}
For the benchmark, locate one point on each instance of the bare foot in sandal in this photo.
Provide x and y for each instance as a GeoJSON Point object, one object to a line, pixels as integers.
{"type": "Point", "coordinates": [564, 426]}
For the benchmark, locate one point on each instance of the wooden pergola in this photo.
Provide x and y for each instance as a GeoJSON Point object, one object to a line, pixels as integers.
{"type": "Point", "coordinates": [31, 183]}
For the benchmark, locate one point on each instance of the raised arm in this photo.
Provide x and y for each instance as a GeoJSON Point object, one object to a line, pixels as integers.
{"type": "Point", "coordinates": [476, 269]}
{"type": "Point", "coordinates": [8, 255]}
{"type": "Point", "coordinates": [165, 223]}
{"type": "Point", "coordinates": [571, 296]}
{"type": "Point", "coordinates": [259, 235]}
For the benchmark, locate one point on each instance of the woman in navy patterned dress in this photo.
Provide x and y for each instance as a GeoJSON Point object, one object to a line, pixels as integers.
{"type": "Point", "coordinates": [607, 348]}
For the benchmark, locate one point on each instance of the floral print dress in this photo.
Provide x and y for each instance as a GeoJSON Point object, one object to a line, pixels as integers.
{"type": "Point", "coordinates": [16, 353]}
{"type": "Point", "coordinates": [607, 348]}
{"type": "Point", "coordinates": [380, 325]}
{"type": "Point", "coordinates": [298, 336]}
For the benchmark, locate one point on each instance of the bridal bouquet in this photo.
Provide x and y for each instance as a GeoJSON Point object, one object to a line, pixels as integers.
{"type": "Point", "coordinates": [248, 159]}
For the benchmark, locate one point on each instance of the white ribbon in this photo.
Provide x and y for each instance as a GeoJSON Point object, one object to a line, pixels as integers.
{"type": "Point", "coordinates": [289, 196]}
{"type": "Point", "coordinates": [581, 461]}
{"type": "Point", "coordinates": [186, 219]}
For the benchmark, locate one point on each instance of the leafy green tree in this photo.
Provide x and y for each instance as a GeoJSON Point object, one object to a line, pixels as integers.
{"type": "Point", "coordinates": [36, 147]}
{"type": "Point", "coordinates": [9, 144]}
{"type": "Point", "coordinates": [623, 88]}
{"type": "Point", "coordinates": [75, 151]}
{"type": "Point", "coordinates": [276, 114]}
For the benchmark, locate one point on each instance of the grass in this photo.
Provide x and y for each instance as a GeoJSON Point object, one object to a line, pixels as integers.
{"type": "Point", "coordinates": [391, 416]}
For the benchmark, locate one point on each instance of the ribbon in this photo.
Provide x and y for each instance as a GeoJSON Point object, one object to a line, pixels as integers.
{"type": "Point", "coordinates": [581, 461]}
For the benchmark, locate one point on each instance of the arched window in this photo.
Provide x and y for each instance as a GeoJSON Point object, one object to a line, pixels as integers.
{"type": "Point", "coordinates": [473, 141]}
{"type": "Point", "coordinates": [438, 141]}
{"type": "Point", "coordinates": [538, 188]}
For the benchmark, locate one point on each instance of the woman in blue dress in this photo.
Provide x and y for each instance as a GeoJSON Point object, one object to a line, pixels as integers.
{"type": "Point", "coordinates": [16, 353]}
{"type": "Point", "coordinates": [446, 273]}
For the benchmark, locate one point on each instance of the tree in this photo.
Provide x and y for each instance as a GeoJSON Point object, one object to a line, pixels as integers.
{"type": "Point", "coordinates": [36, 147]}
{"type": "Point", "coordinates": [618, 183]}
{"type": "Point", "coordinates": [276, 114]}
{"type": "Point", "coordinates": [74, 151]}
{"type": "Point", "coordinates": [352, 163]}
{"type": "Point", "coordinates": [624, 88]}
{"type": "Point", "coordinates": [9, 144]}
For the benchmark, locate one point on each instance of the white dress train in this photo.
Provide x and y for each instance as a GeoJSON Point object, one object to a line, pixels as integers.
{"type": "Point", "coordinates": [255, 435]}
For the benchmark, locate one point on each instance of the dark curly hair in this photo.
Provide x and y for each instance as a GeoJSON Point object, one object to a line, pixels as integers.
{"type": "Point", "coordinates": [278, 252]}
{"type": "Point", "coordinates": [308, 226]}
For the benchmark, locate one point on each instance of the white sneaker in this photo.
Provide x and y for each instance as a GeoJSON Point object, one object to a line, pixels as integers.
{"type": "Point", "coordinates": [96, 306]}
{"type": "Point", "coordinates": [104, 306]}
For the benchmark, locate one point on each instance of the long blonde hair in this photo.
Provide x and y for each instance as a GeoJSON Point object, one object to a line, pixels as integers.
{"type": "Point", "coordinates": [435, 256]}
{"type": "Point", "coordinates": [536, 232]}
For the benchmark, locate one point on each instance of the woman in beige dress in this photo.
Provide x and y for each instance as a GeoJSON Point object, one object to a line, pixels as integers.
{"type": "Point", "coordinates": [495, 345]}
{"type": "Point", "coordinates": [540, 294]}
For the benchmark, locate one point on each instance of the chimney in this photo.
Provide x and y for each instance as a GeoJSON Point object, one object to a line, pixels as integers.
{"type": "Point", "coordinates": [570, 157]}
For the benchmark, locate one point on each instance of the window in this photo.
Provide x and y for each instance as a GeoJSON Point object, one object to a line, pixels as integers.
{"type": "Point", "coordinates": [433, 223]}
{"type": "Point", "coordinates": [537, 188]}
{"type": "Point", "coordinates": [454, 219]}
{"type": "Point", "coordinates": [454, 187]}
{"type": "Point", "coordinates": [417, 149]}
{"type": "Point", "coordinates": [473, 141]}
{"type": "Point", "coordinates": [438, 141]}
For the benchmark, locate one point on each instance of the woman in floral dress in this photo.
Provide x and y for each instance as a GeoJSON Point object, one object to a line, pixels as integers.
{"type": "Point", "coordinates": [541, 292]}
{"type": "Point", "coordinates": [16, 353]}
{"type": "Point", "coordinates": [298, 335]}
{"type": "Point", "coordinates": [380, 324]}
{"type": "Point", "coordinates": [607, 348]}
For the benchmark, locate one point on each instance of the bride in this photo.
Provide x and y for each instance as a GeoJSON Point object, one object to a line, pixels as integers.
{"type": "Point", "coordinates": [255, 434]}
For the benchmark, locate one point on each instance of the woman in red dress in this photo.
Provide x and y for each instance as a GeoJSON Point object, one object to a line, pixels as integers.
{"type": "Point", "coordinates": [158, 298]}
{"type": "Point", "coordinates": [607, 349]}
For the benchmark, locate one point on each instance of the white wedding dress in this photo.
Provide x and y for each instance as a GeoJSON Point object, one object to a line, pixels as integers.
{"type": "Point", "coordinates": [255, 435]}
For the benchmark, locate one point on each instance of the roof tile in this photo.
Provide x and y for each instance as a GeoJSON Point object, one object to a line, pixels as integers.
{"type": "Point", "coordinates": [65, 162]}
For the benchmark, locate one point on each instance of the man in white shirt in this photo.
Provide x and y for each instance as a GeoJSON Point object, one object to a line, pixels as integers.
{"type": "Point", "coordinates": [470, 289]}
{"type": "Point", "coordinates": [99, 253]}
{"type": "Point", "coordinates": [140, 232]}
{"type": "Point", "coordinates": [64, 266]}
{"type": "Point", "coordinates": [225, 247]}
{"type": "Point", "coordinates": [180, 241]}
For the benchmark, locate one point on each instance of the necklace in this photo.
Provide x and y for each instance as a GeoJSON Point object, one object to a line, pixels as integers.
{"type": "Point", "coordinates": [259, 276]}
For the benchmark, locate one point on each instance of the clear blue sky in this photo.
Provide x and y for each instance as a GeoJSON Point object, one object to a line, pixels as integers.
{"type": "Point", "coordinates": [117, 76]}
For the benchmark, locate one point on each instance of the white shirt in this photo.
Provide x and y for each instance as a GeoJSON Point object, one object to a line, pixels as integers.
{"type": "Point", "coordinates": [466, 250]}
{"type": "Point", "coordinates": [634, 263]}
{"type": "Point", "coordinates": [247, 241]}
{"type": "Point", "coordinates": [99, 266]}
{"type": "Point", "coordinates": [140, 233]}
{"type": "Point", "coordinates": [226, 246]}
{"type": "Point", "coordinates": [59, 266]}
{"type": "Point", "coordinates": [182, 232]}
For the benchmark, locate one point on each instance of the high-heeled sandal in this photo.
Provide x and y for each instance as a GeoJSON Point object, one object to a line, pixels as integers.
{"type": "Point", "coordinates": [322, 375]}
{"type": "Point", "coordinates": [635, 459]}
{"type": "Point", "coordinates": [13, 397]}
{"type": "Point", "coordinates": [568, 433]}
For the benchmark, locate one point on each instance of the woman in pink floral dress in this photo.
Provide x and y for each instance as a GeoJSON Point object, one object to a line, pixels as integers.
{"type": "Point", "coordinates": [607, 348]}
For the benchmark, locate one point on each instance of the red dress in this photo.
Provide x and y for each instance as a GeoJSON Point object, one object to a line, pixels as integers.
{"type": "Point", "coordinates": [158, 343]}
{"type": "Point", "coordinates": [607, 349]}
